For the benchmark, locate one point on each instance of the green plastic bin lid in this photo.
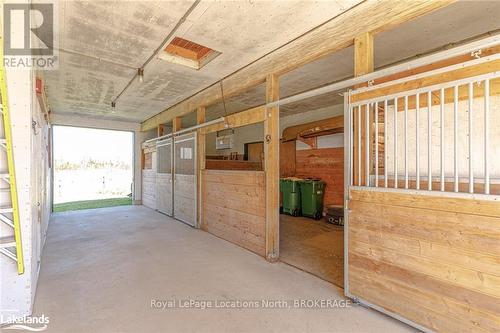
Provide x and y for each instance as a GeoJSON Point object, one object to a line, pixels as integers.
{"type": "Point", "coordinates": [309, 180]}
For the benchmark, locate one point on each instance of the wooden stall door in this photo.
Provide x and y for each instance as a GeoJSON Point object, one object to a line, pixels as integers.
{"type": "Point", "coordinates": [234, 207]}
{"type": "Point", "coordinates": [433, 260]}
{"type": "Point", "coordinates": [185, 206]}
{"type": "Point", "coordinates": [164, 191]}
{"type": "Point", "coordinates": [427, 255]}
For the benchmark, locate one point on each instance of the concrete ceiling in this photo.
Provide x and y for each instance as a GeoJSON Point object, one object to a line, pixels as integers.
{"type": "Point", "coordinates": [452, 24]}
{"type": "Point", "coordinates": [243, 31]}
{"type": "Point", "coordinates": [104, 42]}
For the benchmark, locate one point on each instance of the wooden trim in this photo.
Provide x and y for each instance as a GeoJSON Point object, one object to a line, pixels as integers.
{"type": "Point", "coordinates": [436, 65]}
{"type": "Point", "coordinates": [243, 118]}
{"type": "Point", "coordinates": [272, 163]}
{"type": "Point", "coordinates": [292, 132]}
{"type": "Point", "coordinates": [466, 206]}
{"type": "Point", "coordinates": [458, 74]}
{"type": "Point", "coordinates": [160, 130]}
{"type": "Point", "coordinates": [200, 115]}
{"type": "Point", "coordinates": [463, 94]}
{"type": "Point", "coordinates": [176, 124]}
{"type": "Point", "coordinates": [334, 35]}
{"type": "Point", "coordinates": [233, 165]}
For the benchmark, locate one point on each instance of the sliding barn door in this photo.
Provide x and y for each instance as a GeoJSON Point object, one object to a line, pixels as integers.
{"type": "Point", "coordinates": [422, 201]}
{"type": "Point", "coordinates": [185, 206]}
{"type": "Point", "coordinates": [164, 184]}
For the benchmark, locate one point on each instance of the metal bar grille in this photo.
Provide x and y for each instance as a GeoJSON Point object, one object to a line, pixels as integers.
{"type": "Point", "coordinates": [453, 143]}
{"type": "Point", "coordinates": [429, 140]}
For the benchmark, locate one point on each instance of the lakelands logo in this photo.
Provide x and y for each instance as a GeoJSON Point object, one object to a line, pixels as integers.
{"type": "Point", "coordinates": [32, 324]}
{"type": "Point", "coordinates": [30, 38]}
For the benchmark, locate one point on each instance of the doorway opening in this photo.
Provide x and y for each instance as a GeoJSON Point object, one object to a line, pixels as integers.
{"type": "Point", "coordinates": [312, 190]}
{"type": "Point", "coordinates": [93, 168]}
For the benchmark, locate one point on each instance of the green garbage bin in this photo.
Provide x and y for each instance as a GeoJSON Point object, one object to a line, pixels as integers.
{"type": "Point", "coordinates": [289, 187]}
{"type": "Point", "coordinates": [312, 192]}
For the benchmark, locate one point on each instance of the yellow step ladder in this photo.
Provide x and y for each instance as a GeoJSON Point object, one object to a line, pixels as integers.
{"type": "Point", "coordinates": [10, 244]}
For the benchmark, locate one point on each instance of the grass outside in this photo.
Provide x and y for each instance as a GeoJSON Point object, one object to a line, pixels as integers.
{"type": "Point", "coordinates": [91, 204]}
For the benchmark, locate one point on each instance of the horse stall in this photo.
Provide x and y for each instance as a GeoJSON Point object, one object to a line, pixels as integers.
{"type": "Point", "coordinates": [422, 193]}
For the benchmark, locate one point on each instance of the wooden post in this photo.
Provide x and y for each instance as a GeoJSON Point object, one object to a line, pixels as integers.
{"type": "Point", "coordinates": [176, 124]}
{"type": "Point", "coordinates": [363, 54]}
{"type": "Point", "coordinates": [161, 130]}
{"type": "Point", "coordinates": [363, 64]}
{"type": "Point", "coordinates": [271, 160]}
{"type": "Point", "coordinates": [200, 149]}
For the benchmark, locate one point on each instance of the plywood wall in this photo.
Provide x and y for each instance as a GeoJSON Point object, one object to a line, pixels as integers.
{"type": "Point", "coordinates": [326, 164]}
{"type": "Point", "coordinates": [433, 260]}
{"type": "Point", "coordinates": [234, 206]}
{"type": "Point", "coordinates": [287, 158]}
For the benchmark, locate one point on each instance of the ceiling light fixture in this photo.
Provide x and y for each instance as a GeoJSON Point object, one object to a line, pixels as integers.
{"type": "Point", "coordinates": [140, 74]}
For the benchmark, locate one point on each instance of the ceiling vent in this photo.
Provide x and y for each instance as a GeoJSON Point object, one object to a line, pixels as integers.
{"type": "Point", "coordinates": [184, 52]}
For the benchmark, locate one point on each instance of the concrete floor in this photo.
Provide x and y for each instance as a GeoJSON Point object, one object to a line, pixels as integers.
{"type": "Point", "coordinates": [314, 246]}
{"type": "Point", "coordinates": [101, 269]}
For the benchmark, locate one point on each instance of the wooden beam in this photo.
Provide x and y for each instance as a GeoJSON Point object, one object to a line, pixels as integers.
{"type": "Point", "coordinates": [200, 149]}
{"type": "Point", "coordinates": [161, 130]}
{"type": "Point", "coordinates": [272, 169]}
{"type": "Point", "coordinates": [291, 133]}
{"type": "Point", "coordinates": [247, 117]}
{"type": "Point", "coordinates": [336, 34]}
{"type": "Point", "coordinates": [176, 124]}
{"type": "Point", "coordinates": [363, 54]}
{"type": "Point", "coordinates": [463, 92]}
{"type": "Point", "coordinates": [200, 115]}
{"type": "Point", "coordinates": [363, 64]}
{"type": "Point", "coordinates": [458, 74]}
{"type": "Point", "coordinates": [438, 64]}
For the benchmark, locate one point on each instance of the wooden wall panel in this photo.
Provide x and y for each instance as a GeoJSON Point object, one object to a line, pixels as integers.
{"type": "Point", "coordinates": [326, 164]}
{"type": "Point", "coordinates": [232, 165]}
{"type": "Point", "coordinates": [149, 188]}
{"type": "Point", "coordinates": [434, 260]}
{"type": "Point", "coordinates": [287, 158]}
{"type": "Point", "coordinates": [234, 207]}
